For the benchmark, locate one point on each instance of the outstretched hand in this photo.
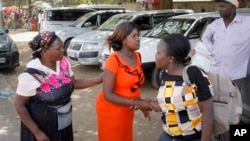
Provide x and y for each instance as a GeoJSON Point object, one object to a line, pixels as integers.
{"type": "Point", "coordinates": [143, 104]}
{"type": "Point", "coordinates": [146, 114]}
{"type": "Point", "coordinates": [100, 77]}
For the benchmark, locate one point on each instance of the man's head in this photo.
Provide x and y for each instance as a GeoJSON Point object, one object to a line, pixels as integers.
{"type": "Point", "coordinates": [227, 8]}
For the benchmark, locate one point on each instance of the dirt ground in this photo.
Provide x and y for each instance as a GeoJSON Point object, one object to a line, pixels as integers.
{"type": "Point", "coordinates": [84, 116]}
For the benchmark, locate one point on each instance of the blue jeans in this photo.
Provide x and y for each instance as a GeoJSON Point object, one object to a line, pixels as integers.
{"type": "Point", "coordinates": [165, 137]}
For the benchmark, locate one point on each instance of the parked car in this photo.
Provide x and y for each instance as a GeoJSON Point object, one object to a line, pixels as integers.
{"type": "Point", "coordinates": [84, 24]}
{"type": "Point", "coordinates": [60, 17]}
{"type": "Point", "coordinates": [9, 54]}
{"type": "Point", "coordinates": [86, 48]}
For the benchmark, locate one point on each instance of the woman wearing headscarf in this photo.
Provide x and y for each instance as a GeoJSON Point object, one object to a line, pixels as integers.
{"type": "Point", "coordinates": [44, 89]}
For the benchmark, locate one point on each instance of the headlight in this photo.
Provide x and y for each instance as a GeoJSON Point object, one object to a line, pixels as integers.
{"type": "Point", "coordinates": [90, 46]}
{"type": "Point", "coordinates": [71, 45]}
{"type": "Point", "coordinates": [75, 46]}
{"type": "Point", "coordinates": [12, 44]}
{"type": "Point", "coordinates": [14, 47]}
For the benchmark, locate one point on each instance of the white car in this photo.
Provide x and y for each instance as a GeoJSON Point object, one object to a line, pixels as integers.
{"type": "Point", "coordinates": [86, 48]}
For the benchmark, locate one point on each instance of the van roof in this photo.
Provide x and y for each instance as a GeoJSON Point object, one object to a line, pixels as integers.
{"type": "Point", "coordinates": [101, 6]}
{"type": "Point", "coordinates": [113, 10]}
{"type": "Point", "coordinates": [72, 8]}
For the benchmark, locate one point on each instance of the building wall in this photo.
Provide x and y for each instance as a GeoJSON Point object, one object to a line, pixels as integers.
{"type": "Point", "coordinates": [197, 6]}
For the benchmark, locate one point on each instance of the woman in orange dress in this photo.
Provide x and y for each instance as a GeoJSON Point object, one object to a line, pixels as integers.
{"type": "Point", "coordinates": [122, 79]}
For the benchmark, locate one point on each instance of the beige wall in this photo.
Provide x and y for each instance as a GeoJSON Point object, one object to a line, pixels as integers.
{"type": "Point", "coordinates": [197, 6]}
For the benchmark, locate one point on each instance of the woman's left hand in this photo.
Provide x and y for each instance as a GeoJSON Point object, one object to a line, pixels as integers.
{"type": "Point", "coordinates": [146, 114]}
{"type": "Point", "coordinates": [100, 78]}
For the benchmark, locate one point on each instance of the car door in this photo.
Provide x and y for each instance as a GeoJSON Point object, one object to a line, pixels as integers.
{"type": "Point", "coordinates": [197, 30]}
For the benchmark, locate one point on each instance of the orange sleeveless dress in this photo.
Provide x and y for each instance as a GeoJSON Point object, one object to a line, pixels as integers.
{"type": "Point", "coordinates": [115, 123]}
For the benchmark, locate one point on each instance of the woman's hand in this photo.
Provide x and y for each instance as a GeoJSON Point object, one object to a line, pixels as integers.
{"type": "Point", "coordinates": [100, 78]}
{"type": "Point", "coordinates": [142, 104]}
{"type": "Point", "coordinates": [146, 114]}
{"type": "Point", "coordinates": [41, 136]}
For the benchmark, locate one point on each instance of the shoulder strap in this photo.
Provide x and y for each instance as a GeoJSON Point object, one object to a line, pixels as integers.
{"type": "Point", "coordinates": [33, 71]}
{"type": "Point", "coordinates": [185, 75]}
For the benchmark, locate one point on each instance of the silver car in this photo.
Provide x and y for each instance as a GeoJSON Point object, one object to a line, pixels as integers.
{"type": "Point", "coordinates": [86, 48]}
{"type": "Point", "coordinates": [84, 24]}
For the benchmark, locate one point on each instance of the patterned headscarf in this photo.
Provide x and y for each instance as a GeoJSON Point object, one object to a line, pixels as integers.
{"type": "Point", "coordinates": [42, 40]}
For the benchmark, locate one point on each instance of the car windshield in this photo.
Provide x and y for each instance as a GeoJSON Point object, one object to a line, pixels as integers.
{"type": "Point", "coordinates": [170, 26]}
{"type": "Point", "coordinates": [79, 20]}
{"type": "Point", "coordinates": [3, 40]}
{"type": "Point", "coordinates": [111, 23]}
{"type": "Point", "coordinates": [2, 31]}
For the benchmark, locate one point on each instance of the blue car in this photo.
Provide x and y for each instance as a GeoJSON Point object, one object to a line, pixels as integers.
{"type": "Point", "coordinates": [9, 54]}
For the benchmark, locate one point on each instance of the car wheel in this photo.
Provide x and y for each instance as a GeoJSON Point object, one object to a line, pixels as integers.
{"type": "Point", "coordinates": [66, 46]}
{"type": "Point", "coordinates": [155, 77]}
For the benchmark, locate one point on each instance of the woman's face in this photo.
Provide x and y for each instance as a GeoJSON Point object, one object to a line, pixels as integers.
{"type": "Point", "coordinates": [132, 41]}
{"type": "Point", "coordinates": [161, 56]}
{"type": "Point", "coordinates": [56, 50]}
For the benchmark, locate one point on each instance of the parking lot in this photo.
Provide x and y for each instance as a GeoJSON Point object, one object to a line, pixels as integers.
{"type": "Point", "coordinates": [84, 116]}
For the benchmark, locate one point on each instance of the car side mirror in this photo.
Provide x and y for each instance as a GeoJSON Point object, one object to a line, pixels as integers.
{"type": "Point", "coordinates": [87, 24]}
{"type": "Point", "coordinates": [6, 30]}
{"type": "Point", "coordinates": [193, 35]}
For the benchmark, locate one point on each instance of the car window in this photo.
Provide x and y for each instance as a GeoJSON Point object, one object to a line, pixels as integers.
{"type": "Point", "coordinates": [92, 20]}
{"type": "Point", "coordinates": [2, 32]}
{"type": "Point", "coordinates": [170, 26]}
{"type": "Point", "coordinates": [65, 15]}
{"type": "Point", "coordinates": [159, 18]}
{"type": "Point", "coordinates": [199, 27]}
{"type": "Point", "coordinates": [105, 16]}
{"type": "Point", "coordinates": [112, 22]}
{"type": "Point", "coordinates": [80, 19]}
{"type": "Point", "coordinates": [143, 22]}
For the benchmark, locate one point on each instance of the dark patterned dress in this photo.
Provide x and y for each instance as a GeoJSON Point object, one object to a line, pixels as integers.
{"type": "Point", "coordinates": [55, 90]}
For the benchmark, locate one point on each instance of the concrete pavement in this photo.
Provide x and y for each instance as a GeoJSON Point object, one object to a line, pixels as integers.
{"type": "Point", "coordinates": [9, 131]}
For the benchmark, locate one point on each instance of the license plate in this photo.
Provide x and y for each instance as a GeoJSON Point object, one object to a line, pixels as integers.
{"type": "Point", "coordinates": [2, 60]}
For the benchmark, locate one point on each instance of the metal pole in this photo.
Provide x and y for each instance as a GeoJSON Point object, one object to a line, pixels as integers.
{"type": "Point", "coordinates": [1, 14]}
